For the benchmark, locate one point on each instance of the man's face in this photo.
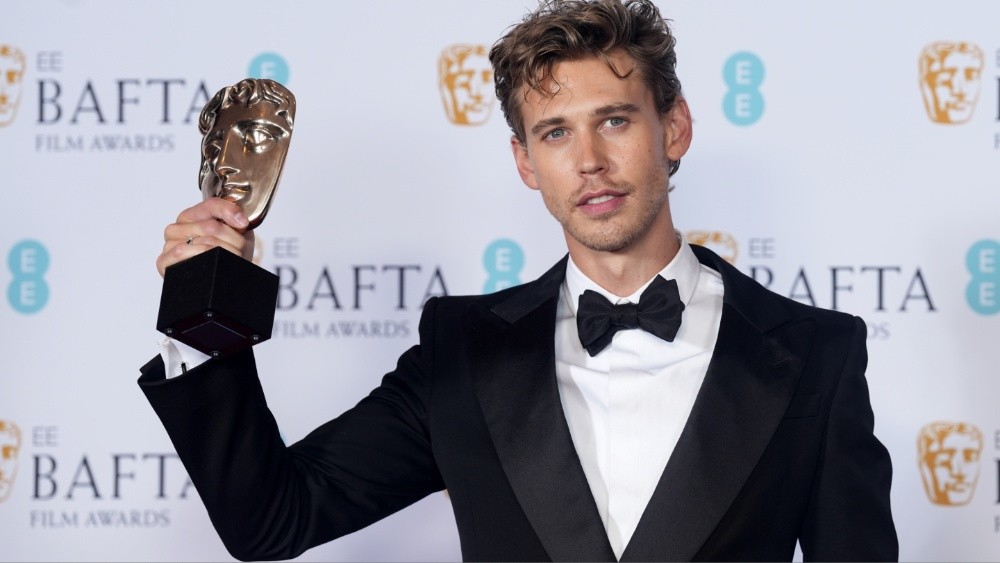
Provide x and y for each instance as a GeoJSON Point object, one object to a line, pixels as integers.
{"type": "Point", "coordinates": [466, 83]}
{"type": "Point", "coordinates": [599, 152]}
{"type": "Point", "coordinates": [953, 82]}
{"type": "Point", "coordinates": [953, 467]}
{"type": "Point", "coordinates": [243, 155]}
{"type": "Point", "coordinates": [11, 77]}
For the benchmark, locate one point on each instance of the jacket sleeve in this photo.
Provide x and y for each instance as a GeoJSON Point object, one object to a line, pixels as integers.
{"type": "Point", "coordinates": [268, 501]}
{"type": "Point", "coordinates": [849, 517]}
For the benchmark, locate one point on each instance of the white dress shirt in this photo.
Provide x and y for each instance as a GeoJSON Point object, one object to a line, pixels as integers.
{"type": "Point", "coordinates": [626, 406]}
{"type": "Point", "coordinates": [178, 357]}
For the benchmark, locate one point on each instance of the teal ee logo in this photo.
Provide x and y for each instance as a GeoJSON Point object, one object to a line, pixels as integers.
{"type": "Point", "coordinates": [269, 65]}
{"type": "Point", "coordinates": [983, 291]}
{"type": "Point", "coordinates": [28, 261]}
{"type": "Point", "coordinates": [743, 103]}
{"type": "Point", "coordinates": [503, 261]}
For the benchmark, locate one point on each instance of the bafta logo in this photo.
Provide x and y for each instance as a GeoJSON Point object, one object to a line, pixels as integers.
{"type": "Point", "coordinates": [465, 79]}
{"type": "Point", "coordinates": [948, 455]}
{"type": "Point", "coordinates": [10, 446]}
{"type": "Point", "coordinates": [12, 63]}
{"type": "Point", "coordinates": [719, 242]}
{"type": "Point", "coordinates": [949, 80]}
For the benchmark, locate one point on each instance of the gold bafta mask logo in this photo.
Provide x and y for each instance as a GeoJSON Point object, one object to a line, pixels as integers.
{"type": "Point", "coordinates": [949, 80]}
{"type": "Point", "coordinates": [12, 64]}
{"type": "Point", "coordinates": [10, 446]}
{"type": "Point", "coordinates": [723, 244]}
{"type": "Point", "coordinates": [948, 454]}
{"type": "Point", "coordinates": [465, 79]}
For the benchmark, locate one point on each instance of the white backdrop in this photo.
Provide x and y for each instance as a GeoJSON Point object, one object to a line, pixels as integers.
{"type": "Point", "coordinates": [814, 163]}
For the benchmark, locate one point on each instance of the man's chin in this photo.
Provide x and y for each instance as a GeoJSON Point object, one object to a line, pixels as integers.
{"type": "Point", "coordinates": [607, 243]}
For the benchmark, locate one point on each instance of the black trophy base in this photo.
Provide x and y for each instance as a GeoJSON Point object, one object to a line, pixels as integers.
{"type": "Point", "coordinates": [218, 303]}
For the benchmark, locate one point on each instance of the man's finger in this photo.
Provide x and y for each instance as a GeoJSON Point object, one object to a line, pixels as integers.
{"type": "Point", "coordinates": [218, 209]}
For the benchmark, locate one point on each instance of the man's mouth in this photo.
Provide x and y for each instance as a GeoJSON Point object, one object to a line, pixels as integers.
{"type": "Point", "coordinates": [599, 199]}
{"type": "Point", "coordinates": [600, 203]}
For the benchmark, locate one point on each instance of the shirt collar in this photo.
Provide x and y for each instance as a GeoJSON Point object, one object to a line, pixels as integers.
{"type": "Point", "coordinates": [684, 268]}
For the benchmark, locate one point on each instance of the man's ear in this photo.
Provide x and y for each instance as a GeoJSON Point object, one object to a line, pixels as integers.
{"type": "Point", "coordinates": [523, 162]}
{"type": "Point", "coordinates": [677, 130]}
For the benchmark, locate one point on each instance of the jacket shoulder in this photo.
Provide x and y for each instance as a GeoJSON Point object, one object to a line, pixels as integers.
{"type": "Point", "coordinates": [508, 304]}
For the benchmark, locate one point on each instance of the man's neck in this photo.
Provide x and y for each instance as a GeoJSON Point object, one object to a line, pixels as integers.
{"type": "Point", "coordinates": [625, 271]}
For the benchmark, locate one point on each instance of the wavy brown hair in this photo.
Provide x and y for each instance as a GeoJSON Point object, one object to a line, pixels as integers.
{"type": "Point", "coordinates": [563, 30]}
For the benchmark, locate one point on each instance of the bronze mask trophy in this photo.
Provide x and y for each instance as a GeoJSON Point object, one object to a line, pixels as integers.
{"type": "Point", "coordinates": [217, 302]}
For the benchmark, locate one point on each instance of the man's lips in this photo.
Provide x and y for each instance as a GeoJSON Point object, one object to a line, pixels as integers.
{"type": "Point", "coordinates": [599, 203]}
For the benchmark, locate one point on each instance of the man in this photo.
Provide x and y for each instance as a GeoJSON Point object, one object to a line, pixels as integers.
{"type": "Point", "coordinates": [562, 434]}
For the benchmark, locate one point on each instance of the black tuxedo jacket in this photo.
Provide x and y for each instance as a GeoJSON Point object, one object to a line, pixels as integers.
{"type": "Point", "coordinates": [778, 447]}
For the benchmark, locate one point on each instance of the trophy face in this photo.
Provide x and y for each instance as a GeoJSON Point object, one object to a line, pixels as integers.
{"type": "Point", "coordinates": [247, 128]}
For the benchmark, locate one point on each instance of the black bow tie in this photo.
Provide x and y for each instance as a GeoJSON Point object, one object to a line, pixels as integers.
{"type": "Point", "coordinates": [658, 312]}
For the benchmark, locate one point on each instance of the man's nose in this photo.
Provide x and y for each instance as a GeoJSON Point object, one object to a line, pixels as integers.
{"type": "Point", "coordinates": [592, 154]}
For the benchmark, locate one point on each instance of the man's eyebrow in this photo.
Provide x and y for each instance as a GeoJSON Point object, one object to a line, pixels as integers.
{"type": "Point", "coordinates": [605, 111]}
{"type": "Point", "coordinates": [546, 123]}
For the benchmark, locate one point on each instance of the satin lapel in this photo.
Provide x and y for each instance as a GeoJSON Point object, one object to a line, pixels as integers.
{"type": "Point", "coordinates": [513, 363]}
{"type": "Point", "coordinates": [747, 389]}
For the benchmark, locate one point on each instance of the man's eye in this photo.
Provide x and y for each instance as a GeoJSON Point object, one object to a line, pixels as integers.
{"type": "Point", "coordinates": [616, 121]}
{"type": "Point", "coordinates": [556, 134]}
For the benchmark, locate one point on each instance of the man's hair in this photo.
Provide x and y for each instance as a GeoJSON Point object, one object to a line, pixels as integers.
{"type": "Point", "coordinates": [247, 92]}
{"type": "Point", "coordinates": [564, 30]}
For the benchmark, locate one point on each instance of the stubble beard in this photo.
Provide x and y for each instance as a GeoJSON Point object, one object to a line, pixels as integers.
{"type": "Point", "coordinates": [614, 231]}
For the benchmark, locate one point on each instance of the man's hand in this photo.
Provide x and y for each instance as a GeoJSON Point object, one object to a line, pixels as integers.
{"type": "Point", "coordinates": [213, 222]}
